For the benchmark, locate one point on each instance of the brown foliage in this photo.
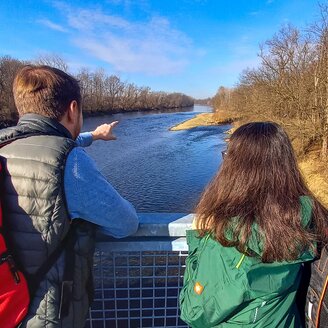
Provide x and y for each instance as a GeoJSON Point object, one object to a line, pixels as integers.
{"type": "Point", "coordinates": [8, 69]}
{"type": "Point", "coordinates": [100, 93]}
{"type": "Point", "coordinates": [289, 87]}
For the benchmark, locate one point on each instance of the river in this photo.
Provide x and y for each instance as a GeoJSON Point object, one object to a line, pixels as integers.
{"type": "Point", "coordinates": [158, 170]}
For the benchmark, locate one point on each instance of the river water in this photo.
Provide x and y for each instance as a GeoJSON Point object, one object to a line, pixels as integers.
{"type": "Point", "coordinates": [158, 170]}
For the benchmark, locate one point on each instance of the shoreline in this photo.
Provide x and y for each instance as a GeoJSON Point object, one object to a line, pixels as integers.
{"type": "Point", "coordinates": [203, 119]}
{"type": "Point", "coordinates": [5, 122]}
{"type": "Point", "coordinates": [314, 172]}
{"type": "Point", "coordinates": [122, 111]}
{"type": "Point", "coordinates": [311, 166]}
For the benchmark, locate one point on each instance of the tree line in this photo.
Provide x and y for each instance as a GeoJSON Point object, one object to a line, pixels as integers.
{"type": "Point", "coordinates": [290, 86]}
{"type": "Point", "coordinates": [101, 93]}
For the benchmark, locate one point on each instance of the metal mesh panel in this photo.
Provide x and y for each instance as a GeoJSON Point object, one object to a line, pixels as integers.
{"type": "Point", "coordinates": [137, 289]}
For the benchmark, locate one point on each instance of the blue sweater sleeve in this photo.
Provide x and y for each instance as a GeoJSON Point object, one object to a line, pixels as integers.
{"type": "Point", "coordinates": [91, 197]}
{"type": "Point", "coordinates": [84, 139]}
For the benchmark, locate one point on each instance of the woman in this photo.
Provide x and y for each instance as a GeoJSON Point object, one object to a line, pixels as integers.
{"type": "Point", "coordinates": [256, 223]}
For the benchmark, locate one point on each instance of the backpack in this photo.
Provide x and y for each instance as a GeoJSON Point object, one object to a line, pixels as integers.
{"type": "Point", "coordinates": [316, 309]}
{"type": "Point", "coordinates": [14, 292]}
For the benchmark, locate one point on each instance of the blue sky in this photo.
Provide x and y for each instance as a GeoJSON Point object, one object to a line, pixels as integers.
{"type": "Point", "coordinates": [189, 46]}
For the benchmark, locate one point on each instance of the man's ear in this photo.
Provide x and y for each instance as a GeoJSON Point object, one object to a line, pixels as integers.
{"type": "Point", "coordinates": [73, 111]}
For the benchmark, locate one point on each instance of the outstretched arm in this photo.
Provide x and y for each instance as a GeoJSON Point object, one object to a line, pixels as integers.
{"type": "Point", "coordinates": [102, 132]}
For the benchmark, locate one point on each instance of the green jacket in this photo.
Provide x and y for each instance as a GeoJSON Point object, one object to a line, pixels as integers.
{"type": "Point", "coordinates": [238, 290]}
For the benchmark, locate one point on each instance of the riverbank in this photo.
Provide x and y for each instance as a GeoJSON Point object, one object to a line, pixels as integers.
{"type": "Point", "coordinates": [7, 122]}
{"type": "Point", "coordinates": [205, 119]}
{"type": "Point", "coordinates": [315, 173]}
{"type": "Point", "coordinates": [314, 170]}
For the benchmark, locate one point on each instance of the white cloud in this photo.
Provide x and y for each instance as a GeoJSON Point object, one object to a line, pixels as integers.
{"type": "Point", "coordinates": [128, 57]}
{"type": "Point", "coordinates": [153, 47]}
{"type": "Point", "coordinates": [52, 25]}
{"type": "Point", "coordinates": [93, 20]}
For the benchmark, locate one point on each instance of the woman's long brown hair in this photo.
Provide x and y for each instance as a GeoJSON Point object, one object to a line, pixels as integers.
{"type": "Point", "coordinates": [259, 183]}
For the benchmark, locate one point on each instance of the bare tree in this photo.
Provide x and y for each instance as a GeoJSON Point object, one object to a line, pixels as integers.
{"type": "Point", "coordinates": [319, 31]}
{"type": "Point", "coordinates": [290, 86]}
{"type": "Point", "coordinates": [8, 69]}
{"type": "Point", "coordinates": [53, 60]}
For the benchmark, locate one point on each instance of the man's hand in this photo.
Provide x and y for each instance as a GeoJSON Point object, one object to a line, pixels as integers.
{"type": "Point", "coordinates": [104, 132]}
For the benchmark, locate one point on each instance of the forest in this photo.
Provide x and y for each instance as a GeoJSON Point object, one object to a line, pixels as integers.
{"type": "Point", "coordinates": [290, 85]}
{"type": "Point", "coordinates": [101, 93]}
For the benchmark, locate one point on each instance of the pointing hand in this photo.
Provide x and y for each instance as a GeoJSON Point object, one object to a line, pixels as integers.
{"type": "Point", "coordinates": [104, 132]}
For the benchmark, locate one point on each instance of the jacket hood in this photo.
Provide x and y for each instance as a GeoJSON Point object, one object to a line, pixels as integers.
{"type": "Point", "coordinates": [255, 243]}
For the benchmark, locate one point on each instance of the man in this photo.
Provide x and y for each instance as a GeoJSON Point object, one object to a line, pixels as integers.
{"type": "Point", "coordinates": [50, 184]}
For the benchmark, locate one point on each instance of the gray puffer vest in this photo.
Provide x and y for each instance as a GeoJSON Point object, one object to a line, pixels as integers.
{"type": "Point", "coordinates": [36, 222]}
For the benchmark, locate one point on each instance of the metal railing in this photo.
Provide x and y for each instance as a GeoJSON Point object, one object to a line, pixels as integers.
{"type": "Point", "coordinates": [137, 279]}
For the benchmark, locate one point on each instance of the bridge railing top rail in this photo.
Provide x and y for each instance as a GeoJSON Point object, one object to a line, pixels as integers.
{"type": "Point", "coordinates": [157, 232]}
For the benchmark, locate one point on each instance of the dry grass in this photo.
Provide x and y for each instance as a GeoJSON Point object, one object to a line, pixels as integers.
{"type": "Point", "coordinates": [314, 170]}
{"type": "Point", "coordinates": [315, 173]}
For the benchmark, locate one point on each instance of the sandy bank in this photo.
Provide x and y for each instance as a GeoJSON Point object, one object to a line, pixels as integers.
{"type": "Point", "coordinates": [203, 119]}
{"type": "Point", "coordinates": [312, 167]}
